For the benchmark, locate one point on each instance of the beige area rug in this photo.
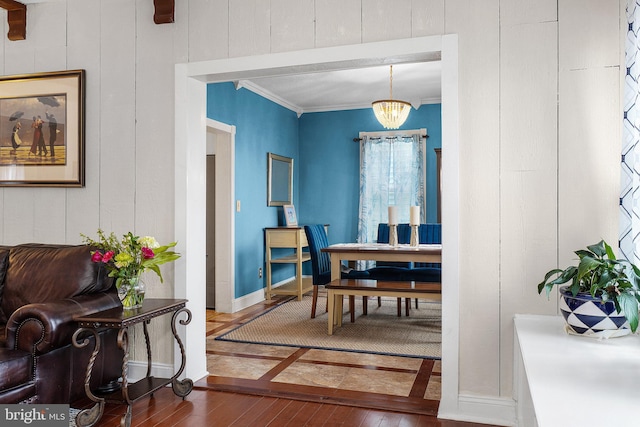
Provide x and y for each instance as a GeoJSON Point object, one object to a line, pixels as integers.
{"type": "Point", "coordinates": [379, 332]}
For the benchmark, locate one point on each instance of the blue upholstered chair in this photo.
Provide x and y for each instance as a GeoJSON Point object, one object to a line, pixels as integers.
{"type": "Point", "coordinates": [321, 266]}
{"type": "Point", "coordinates": [419, 271]}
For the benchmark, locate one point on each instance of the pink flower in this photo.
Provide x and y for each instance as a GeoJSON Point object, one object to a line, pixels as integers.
{"type": "Point", "coordinates": [96, 256]}
{"type": "Point", "coordinates": [147, 253]}
{"type": "Point", "coordinates": [107, 256]}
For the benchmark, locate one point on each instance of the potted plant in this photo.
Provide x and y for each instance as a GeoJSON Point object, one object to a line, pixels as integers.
{"type": "Point", "coordinates": [602, 299]}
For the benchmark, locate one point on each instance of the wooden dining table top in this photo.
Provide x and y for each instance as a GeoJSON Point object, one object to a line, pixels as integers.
{"type": "Point", "coordinates": [383, 248]}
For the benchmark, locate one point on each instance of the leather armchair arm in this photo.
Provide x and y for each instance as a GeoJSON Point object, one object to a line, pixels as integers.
{"type": "Point", "coordinates": [42, 327]}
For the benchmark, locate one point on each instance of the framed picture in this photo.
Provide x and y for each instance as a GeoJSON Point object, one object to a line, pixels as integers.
{"type": "Point", "coordinates": [42, 130]}
{"type": "Point", "coordinates": [290, 215]}
{"type": "Point", "coordinates": [279, 180]}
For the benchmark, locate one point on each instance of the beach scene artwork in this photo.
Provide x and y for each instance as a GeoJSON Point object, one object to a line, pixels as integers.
{"type": "Point", "coordinates": [32, 130]}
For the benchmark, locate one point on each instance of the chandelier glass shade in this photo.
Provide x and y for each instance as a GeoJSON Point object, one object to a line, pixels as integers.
{"type": "Point", "coordinates": [391, 113]}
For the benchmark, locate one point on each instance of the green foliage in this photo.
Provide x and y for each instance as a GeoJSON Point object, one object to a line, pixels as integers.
{"type": "Point", "coordinates": [603, 276]}
{"type": "Point", "coordinates": [131, 256]}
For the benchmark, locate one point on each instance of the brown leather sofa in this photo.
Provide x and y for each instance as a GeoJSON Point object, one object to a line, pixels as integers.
{"type": "Point", "coordinates": [42, 287]}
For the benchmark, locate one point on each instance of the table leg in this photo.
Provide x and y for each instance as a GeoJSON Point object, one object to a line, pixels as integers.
{"type": "Point", "coordinates": [338, 310]}
{"type": "Point", "coordinates": [181, 387]}
{"type": "Point", "coordinates": [335, 266]}
{"type": "Point", "coordinates": [148, 343]}
{"type": "Point", "coordinates": [125, 421]}
{"type": "Point", "coordinates": [90, 416]}
{"type": "Point", "coordinates": [331, 309]}
{"type": "Point", "coordinates": [123, 344]}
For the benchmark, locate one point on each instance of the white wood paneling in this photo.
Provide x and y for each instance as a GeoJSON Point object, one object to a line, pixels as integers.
{"type": "Point", "coordinates": [154, 166]}
{"type": "Point", "coordinates": [344, 28]}
{"type": "Point", "coordinates": [19, 217]}
{"type": "Point", "coordinates": [385, 20]}
{"type": "Point", "coordinates": [249, 27]}
{"type": "Point", "coordinates": [589, 33]}
{"type": "Point", "coordinates": [479, 84]}
{"type": "Point", "coordinates": [589, 159]}
{"type": "Point", "coordinates": [117, 115]}
{"type": "Point", "coordinates": [427, 17]}
{"type": "Point", "coordinates": [47, 26]}
{"type": "Point", "coordinates": [208, 29]}
{"type": "Point", "coordinates": [528, 164]}
{"type": "Point", "coordinates": [513, 12]}
{"type": "Point", "coordinates": [292, 25]}
{"type": "Point", "coordinates": [84, 53]}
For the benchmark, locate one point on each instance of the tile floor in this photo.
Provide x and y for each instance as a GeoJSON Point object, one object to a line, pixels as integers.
{"type": "Point", "coordinates": [354, 378]}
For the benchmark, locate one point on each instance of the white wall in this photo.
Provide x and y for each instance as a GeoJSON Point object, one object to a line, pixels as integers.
{"type": "Point", "coordinates": [539, 85]}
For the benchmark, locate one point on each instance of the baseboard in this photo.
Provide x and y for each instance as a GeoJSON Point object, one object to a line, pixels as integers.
{"type": "Point", "coordinates": [484, 410]}
{"type": "Point", "coordinates": [138, 370]}
{"type": "Point", "coordinates": [247, 300]}
{"type": "Point", "coordinates": [257, 296]}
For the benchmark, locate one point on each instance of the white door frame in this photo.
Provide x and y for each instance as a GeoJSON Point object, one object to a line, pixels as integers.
{"type": "Point", "coordinates": [221, 140]}
{"type": "Point", "coordinates": [190, 170]}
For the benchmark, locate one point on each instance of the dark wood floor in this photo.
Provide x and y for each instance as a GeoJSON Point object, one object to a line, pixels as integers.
{"type": "Point", "coordinates": [222, 409]}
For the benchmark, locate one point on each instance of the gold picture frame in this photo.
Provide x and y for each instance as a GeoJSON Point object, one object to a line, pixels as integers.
{"type": "Point", "coordinates": [42, 129]}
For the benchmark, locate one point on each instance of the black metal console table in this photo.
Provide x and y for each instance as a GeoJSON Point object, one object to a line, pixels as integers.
{"type": "Point", "coordinates": [118, 318]}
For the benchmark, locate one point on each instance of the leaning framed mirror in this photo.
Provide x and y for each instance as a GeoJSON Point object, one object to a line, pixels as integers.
{"type": "Point", "coordinates": [279, 180]}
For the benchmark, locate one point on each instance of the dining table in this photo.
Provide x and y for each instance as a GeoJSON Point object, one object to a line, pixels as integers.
{"type": "Point", "coordinates": [337, 288]}
{"type": "Point", "coordinates": [431, 253]}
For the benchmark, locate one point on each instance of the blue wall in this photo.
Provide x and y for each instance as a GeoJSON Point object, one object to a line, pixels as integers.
{"type": "Point", "coordinates": [261, 127]}
{"type": "Point", "coordinates": [326, 169]}
{"type": "Point", "coordinates": [330, 166]}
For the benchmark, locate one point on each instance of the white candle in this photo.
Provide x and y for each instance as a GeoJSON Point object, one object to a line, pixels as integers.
{"type": "Point", "coordinates": [414, 215]}
{"type": "Point", "coordinates": [393, 215]}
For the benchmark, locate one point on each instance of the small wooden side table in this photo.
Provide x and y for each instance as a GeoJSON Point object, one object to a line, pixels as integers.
{"type": "Point", "coordinates": [118, 318]}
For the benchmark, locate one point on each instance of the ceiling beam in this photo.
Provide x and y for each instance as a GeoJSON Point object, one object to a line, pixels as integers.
{"type": "Point", "coordinates": [164, 11]}
{"type": "Point", "coordinates": [17, 19]}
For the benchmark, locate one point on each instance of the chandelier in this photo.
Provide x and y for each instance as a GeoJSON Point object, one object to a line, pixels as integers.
{"type": "Point", "coordinates": [391, 113]}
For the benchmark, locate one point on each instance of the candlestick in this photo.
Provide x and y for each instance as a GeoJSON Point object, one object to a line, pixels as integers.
{"type": "Point", "coordinates": [393, 215]}
{"type": "Point", "coordinates": [393, 235]}
{"type": "Point", "coordinates": [415, 240]}
{"type": "Point", "coordinates": [414, 215]}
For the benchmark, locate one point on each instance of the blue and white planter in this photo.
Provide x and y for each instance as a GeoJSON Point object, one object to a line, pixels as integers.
{"type": "Point", "coordinates": [588, 316]}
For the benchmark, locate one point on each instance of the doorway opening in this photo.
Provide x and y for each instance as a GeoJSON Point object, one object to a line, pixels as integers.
{"type": "Point", "coordinates": [190, 170]}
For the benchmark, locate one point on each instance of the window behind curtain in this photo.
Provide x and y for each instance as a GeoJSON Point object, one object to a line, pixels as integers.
{"type": "Point", "coordinates": [391, 173]}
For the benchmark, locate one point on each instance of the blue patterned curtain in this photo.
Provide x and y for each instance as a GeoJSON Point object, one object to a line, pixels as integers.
{"type": "Point", "coordinates": [391, 173]}
{"type": "Point", "coordinates": [630, 175]}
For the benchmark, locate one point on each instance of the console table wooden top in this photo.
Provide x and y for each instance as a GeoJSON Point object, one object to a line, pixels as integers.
{"type": "Point", "coordinates": [118, 317]}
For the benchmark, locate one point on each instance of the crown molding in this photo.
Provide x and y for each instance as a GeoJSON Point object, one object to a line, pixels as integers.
{"type": "Point", "coordinates": [259, 90]}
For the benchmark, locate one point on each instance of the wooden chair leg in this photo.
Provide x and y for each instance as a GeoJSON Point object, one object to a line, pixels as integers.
{"type": "Point", "coordinates": [352, 308]}
{"type": "Point", "coordinates": [314, 302]}
{"type": "Point", "coordinates": [399, 307]}
{"type": "Point", "coordinates": [365, 305]}
{"type": "Point", "coordinates": [416, 303]}
{"type": "Point", "coordinates": [407, 305]}
{"type": "Point", "coordinates": [379, 301]}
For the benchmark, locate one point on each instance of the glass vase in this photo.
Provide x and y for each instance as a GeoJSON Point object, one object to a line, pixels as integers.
{"type": "Point", "coordinates": [131, 292]}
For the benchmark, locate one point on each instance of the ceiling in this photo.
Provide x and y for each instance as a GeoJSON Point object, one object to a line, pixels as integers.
{"type": "Point", "coordinates": [417, 83]}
